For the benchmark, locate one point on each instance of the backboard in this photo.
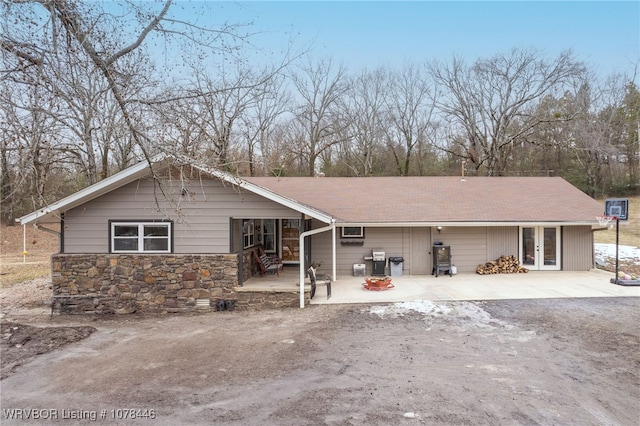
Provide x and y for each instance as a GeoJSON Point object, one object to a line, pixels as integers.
{"type": "Point", "coordinates": [617, 207]}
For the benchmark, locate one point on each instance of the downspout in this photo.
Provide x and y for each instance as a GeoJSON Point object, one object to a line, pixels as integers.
{"type": "Point", "coordinates": [51, 231]}
{"type": "Point", "coordinates": [302, 265]}
{"type": "Point", "coordinates": [42, 228]}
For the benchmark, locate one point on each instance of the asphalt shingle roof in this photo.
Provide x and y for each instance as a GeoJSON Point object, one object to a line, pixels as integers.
{"type": "Point", "coordinates": [441, 198]}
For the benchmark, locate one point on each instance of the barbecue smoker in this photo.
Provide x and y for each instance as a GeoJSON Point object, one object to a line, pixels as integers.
{"type": "Point", "coordinates": [379, 263]}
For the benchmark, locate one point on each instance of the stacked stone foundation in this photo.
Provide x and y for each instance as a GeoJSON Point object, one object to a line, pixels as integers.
{"type": "Point", "coordinates": [154, 283]}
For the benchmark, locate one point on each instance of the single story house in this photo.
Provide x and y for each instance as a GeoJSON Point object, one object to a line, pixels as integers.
{"type": "Point", "coordinates": [170, 234]}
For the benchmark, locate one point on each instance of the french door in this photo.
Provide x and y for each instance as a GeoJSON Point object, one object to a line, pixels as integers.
{"type": "Point", "coordinates": [290, 240]}
{"type": "Point", "coordinates": [540, 247]}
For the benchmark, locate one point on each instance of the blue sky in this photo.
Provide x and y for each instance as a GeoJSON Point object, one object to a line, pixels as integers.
{"type": "Point", "coordinates": [368, 34]}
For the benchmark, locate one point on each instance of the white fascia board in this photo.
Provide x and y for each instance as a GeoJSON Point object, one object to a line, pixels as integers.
{"type": "Point", "coordinates": [458, 224]}
{"type": "Point", "coordinates": [287, 202]}
{"type": "Point", "coordinates": [89, 193]}
{"type": "Point", "coordinates": [266, 193]}
{"type": "Point", "coordinates": [142, 169]}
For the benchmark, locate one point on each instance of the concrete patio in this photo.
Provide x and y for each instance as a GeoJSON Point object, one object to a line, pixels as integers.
{"type": "Point", "coordinates": [466, 286]}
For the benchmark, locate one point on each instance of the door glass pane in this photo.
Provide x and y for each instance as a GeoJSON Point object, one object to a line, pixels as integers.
{"type": "Point", "coordinates": [528, 246]}
{"type": "Point", "coordinates": [550, 254]}
{"type": "Point", "coordinates": [290, 241]}
{"type": "Point", "coordinates": [269, 235]}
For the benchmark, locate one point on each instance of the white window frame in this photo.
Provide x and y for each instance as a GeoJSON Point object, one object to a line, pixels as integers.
{"type": "Point", "coordinates": [141, 237]}
{"type": "Point", "coordinates": [360, 235]}
{"type": "Point", "coordinates": [248, 236]}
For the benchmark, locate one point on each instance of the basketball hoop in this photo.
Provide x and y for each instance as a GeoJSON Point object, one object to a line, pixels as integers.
{"type": "Point", "coordinates": [604, 220]}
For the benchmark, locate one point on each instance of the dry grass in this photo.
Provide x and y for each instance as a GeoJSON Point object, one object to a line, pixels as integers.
{"type": "Point", "coordinates": [16, 268]}
{"type": "Point", "coordinates": [629, 230]}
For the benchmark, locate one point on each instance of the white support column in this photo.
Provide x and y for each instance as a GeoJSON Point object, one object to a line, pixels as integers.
{"type": "Point", "coordinates": [24, 243]}
{"type": "Point", "coordinates": [334, 251]}
{"type": "Point", "coordinates": [302, 265]}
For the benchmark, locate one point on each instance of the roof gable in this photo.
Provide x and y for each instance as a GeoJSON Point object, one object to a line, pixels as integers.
{"type": "Point", "coordinates": [52, 212]}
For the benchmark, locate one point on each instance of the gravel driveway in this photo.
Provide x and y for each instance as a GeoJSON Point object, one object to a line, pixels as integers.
{"type": "Point", "coordinates": [552, 361]}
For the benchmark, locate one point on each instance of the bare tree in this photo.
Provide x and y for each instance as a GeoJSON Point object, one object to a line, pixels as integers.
{"type": "Point", "coordinates": [320, 87]}
{"type": "Point", "coordinates": [29, 154]}
{"type": "Point", "coordinates": [258, 124]}
{"type": "Point", "coordinates": [409, 112]}
{"type": "Point", "coordinates": [365, 104]}
{"type": "Point", "coordinates": [484, 101]}
{"type": "Point", "coordinates": [92, 59]}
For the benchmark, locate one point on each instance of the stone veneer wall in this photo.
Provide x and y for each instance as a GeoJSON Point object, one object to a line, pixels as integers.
{"type": "Point", "coordinates": [123, 283]}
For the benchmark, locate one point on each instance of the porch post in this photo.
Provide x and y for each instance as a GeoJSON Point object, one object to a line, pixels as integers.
{"type": "Point", "coordinates": [24, 243]}
{"type": "Point", "coordinates": [240, 242]}
{"type": "Point", "coordinates": [333, 252]}
{"type": "Point", "coordinates": [303, 235]}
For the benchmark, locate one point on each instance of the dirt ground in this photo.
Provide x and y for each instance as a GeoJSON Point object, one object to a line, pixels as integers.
{"type": "Point", "coordinates": [560, 361]}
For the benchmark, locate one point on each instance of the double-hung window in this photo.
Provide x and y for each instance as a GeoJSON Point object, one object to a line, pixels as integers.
{"type": "Point", "coordinates": [141, 237]}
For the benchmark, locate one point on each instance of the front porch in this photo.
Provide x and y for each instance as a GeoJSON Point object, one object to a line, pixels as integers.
{"type": "Point", "coordinates": [465, 286]}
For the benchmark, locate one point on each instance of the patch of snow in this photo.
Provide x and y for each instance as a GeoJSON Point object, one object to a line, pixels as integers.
{"type": "Point", "coordinates": [467, 313]}
{"type": "Point", "coordinates": [603, 251]}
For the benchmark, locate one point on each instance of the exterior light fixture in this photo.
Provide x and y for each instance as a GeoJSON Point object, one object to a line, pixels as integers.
{"type": "Point", "coordinates": [439, 228]}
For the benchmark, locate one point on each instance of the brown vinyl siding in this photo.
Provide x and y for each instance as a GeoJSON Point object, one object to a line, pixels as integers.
{"type": "Point", "coordinates": [577, 248]}
{"type": "Point", "coordinates": [502, 240]}
{"type": "Point", "coordinates": [468, 246]}
{"type": "Point", "coordinates": [394, 241]}
{"type": "Point", "coordinates": [201, 218]}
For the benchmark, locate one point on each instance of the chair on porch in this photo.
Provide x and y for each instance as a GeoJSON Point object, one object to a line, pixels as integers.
{"type": "Point", "coordinates": [319, 278]}
{"type": "Point", "coordinates": [267, 265]}
{"type": "Point", "coordinates": [272, 257]}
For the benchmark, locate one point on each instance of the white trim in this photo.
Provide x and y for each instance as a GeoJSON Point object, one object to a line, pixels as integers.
{"type": "Point", "coordinates": [89, 193]}
{"type": "Point", "coordinates": [538, 240]}
{"type": "Point", "coordinates": [140, 237]}
{"type": "Point", "coordinates": [143, 169]}
{"type": "Point", "coordinates": [263, 192]}
{"type": "Point", "coordinates": [331, 227]}
{"type": "Point", "coordinates": [459, 224]}
{"type": "Point", "coordinates": [342, 234]}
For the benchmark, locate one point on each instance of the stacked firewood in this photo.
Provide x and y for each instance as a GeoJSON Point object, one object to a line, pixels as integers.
{"type": "Point", "coordinates": [502, 265]}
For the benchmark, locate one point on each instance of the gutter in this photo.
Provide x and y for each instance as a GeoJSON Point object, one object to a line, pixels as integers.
{"type": "Point", "coordinates": [305, 234]}
{"type": "Point", "coordinates": [461, 224]}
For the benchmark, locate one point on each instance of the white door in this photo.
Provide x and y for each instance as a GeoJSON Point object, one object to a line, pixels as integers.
{"type": "Point", "coordinates": [540, 247]}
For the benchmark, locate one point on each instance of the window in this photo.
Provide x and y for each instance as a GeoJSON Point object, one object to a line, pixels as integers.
{"type": "Point", "coordinates": [249, 233]}
{"type": "Point", "coordinates": [141, 237]}
{"type": "Point", "coordinates": [352, 232]}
